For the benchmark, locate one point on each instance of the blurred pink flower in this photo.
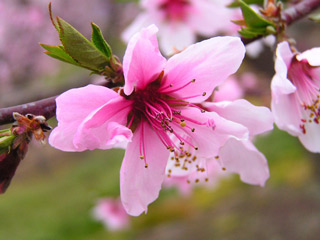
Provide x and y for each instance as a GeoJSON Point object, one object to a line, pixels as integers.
{"type": "Point", "coordinates": [295, 94]}
{"type": "Point", "coordinates": [158, 102]}
{"type": "Point", "coordinates": [229, 90]}
{"type": "Point", "coordinates": [180, 20]}
{"type": "Point", "coordinates": [112, 214]}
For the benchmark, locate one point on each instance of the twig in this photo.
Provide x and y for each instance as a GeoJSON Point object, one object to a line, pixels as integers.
{"type": "Point", "coordinates": [47, 107]}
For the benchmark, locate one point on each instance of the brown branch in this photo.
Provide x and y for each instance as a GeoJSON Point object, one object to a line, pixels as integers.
{"type": "Point", "coordinates": [47, 107]}
{"type": "Point", "coordinates": [292, 14]}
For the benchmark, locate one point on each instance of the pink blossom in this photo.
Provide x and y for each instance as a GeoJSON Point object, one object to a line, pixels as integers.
{"type": "Point", "coordinates": [229, 90]}
{"type": "Point", "coordinates": [112, 214]}
{"type": "Point", "coordinates": [180, 20]}
{"type": "Point", "coordinates": [159, 102]}
{"type": "Point", "coordinates": [295, 94]}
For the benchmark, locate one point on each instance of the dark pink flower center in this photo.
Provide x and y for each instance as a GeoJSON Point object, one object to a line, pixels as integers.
{"type": "Point", "coordinates": [153, 105]}
{"type": "Point", "coordinates": [175, 10]}
{"type": "Point", "coordinates": [303, 77]}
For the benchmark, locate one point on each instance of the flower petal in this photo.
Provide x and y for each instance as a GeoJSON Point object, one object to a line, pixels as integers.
{"type": "Point", "coordinates": [243, 158]}
{"type": "Point", "coordinates": [312, 55]}
{"type": "Point", "coordinates": [139, 185]}
{"type": "Point", "coordinates": [286, 113]}
{"type": "Point", "coordinates": [280, 83]}
{"type": "Point", "coordinates": [105, 127]}
{"type": "Point", "coordinates": [142, 62]}
{"type": "Point", "coordinates": [311, 139]}
{"type": "Point", "coordinates": [209, 62]}
{"type": "Point", "coordinates": [211, 133]}
{"type": "Point", "coordinates": [256, 119]}
{"type": "Point", "coordinates": [73, 107]}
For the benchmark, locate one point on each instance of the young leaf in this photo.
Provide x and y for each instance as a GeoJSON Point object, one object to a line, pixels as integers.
{"type": "Point", "coordinates": [253, 19]}
{"type": "Point", "coordinates": [59, 53]}
{"type": "Point", "coordinates": [99, 42]}
{"type": "Point", "coordinates": [235, 3]}
{"type": "Point", "coordinates": [80, 48]}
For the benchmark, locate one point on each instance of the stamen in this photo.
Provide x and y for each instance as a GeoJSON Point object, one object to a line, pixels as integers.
{"type": "Point", "coordinates": [131, 121]}
{"type": "Point", "coordinates": [177, 89]}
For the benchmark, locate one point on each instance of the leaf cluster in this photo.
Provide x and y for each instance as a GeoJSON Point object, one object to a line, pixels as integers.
{"type": "Point", "coordinates": [253, 25]}
{"type": "Point", "coordinates": [75, 49]}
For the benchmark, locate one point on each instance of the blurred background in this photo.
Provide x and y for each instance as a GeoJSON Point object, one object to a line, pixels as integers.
{"type": "Point", "coordinates": [53, 193]}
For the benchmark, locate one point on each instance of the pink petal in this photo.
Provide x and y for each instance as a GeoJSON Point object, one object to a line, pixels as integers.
{"type": "Point", "coordinates": [312, 55]}
{"type": "Point", "coordinates": [213, 132]}
{"type": "Point", "coordinates": [286, 113]}
{"type": "Point", "coordinates": [139, 185]}
{"type": "Point", "coordinates": [175, 38]}
{"type": "Point", "coordinates": [256, 119]}
{"type": "Point", "coordinates": [243, 158]}
{"type": "Point", "coordinates": [105, 127]}
{"type": "Point", "coordinates": [280, 84]}
{"type": "Point", "coordinates": [311, 139]}
{"type": "Point", "coordinates": [142, 62]}
{"type": "Point", "coordinates": [73, 107]}
{"type": "Point", "coordinates": [284, 53]}
{"type": "Point", "coordinates": [209, 62]}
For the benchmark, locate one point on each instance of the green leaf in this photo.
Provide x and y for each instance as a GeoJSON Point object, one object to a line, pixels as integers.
{"type": "Point", "coordinates": [6, 142]}
{"type": "Point", "coordinates": [253, 19]}
{"type": "Point", "coordinates": [59, 53]}
{"type": "Point", "coordinates": [99, 42]}
{"type": "Point", "coordinates": [236, 3]}
{"type": "Point", "coordinates": [252, 32]}
{"type": "Point", "coordinates": [80, 48]}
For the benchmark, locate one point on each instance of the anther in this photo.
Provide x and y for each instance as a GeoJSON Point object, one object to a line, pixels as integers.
{"type": "Point", "coordinates": [197, 180]}
{"type": "Point", "coordinates": [203, 111]}
{"type": "Point", "coordinates": [196, 148]}
{"type": "Point", "coordinates": [146, 166]}
{"type": "Point", "coordinates": [171, 85]}
{"type": "Point", "coordinates": [204, 93]}
{"type": "Point", "coordinates": [183, 124]}
{"type": "Point", "coordinates": [192, 130]}
{"type": "Point", "coordinates": [188, 181]}
{"type": "Point", "coordinates": [206, 179]}
{"type": "Point", "coordinates": [224, 169]}
{"type": "Point", "coordinates": [181, 143]}
{"type": "Point", "coordinates": [141, 157]}
{"type": "Point", "coordinates": [193, 80]}
{"type": "Point", "coordinates": [216, 157]}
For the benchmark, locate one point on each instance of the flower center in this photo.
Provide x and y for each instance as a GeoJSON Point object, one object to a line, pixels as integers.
{"type": "Point", "coordinates": [175, 10]}
{"type": "Point", "coordinates": [154, 106]}
{"type": "Point", "coordinates": [307, 83]}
